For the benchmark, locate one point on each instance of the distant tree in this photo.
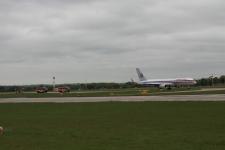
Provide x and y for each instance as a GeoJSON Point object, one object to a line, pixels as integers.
{"type": "Point", "coordinates": [216, 80]}
{"type": "Point", "coordinates": [222, 79]}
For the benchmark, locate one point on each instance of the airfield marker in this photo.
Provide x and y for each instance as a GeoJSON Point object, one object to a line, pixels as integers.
{"type": "Point", "coordinates": [1, 130]}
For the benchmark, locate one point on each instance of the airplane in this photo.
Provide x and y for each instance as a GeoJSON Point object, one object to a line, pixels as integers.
{"type": "Point", "coordinates": [163, 83]}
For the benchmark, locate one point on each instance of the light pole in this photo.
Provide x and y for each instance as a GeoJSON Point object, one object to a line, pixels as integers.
{"type": "Point", "coordinates": [53, 83]}
{"type": "Point", "coordinates": [212, 84]}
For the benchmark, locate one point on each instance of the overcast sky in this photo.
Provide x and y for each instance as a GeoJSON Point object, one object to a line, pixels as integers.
{"type": "Point", "coordinates": [105, 40]}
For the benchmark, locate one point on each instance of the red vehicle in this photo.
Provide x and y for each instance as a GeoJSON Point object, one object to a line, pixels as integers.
{"type": "Point", "coordinates": [63, 89]}
{"type": "Point", "coordinates": [42, 90]}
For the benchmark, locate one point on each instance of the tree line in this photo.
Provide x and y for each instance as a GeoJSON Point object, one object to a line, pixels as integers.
{"type": "Point", "coordinates": [74, 86]}
{"type": "Point", "coordinates": [210, 81]}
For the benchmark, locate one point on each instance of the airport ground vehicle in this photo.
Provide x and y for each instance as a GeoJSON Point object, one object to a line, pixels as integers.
{"type": "Point", "coordinates": [63, 89]}
{"type": "Point", "coordinates": [42, 90]}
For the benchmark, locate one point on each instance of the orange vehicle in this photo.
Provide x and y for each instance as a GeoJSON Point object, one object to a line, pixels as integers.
{"type": "Point", "coordinates": [63, 89]}
{"type": "Point", "coordinates": [42, 90]}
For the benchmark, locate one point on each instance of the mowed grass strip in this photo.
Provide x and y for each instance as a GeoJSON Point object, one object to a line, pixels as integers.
{"type": "Point", "coordinates": [120, 92]}
{"type": "Point", "coordinates": [114, 126]}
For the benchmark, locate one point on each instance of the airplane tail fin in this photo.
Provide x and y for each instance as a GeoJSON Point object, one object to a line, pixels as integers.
{"type": "Point", "coordinates": [140, 75]}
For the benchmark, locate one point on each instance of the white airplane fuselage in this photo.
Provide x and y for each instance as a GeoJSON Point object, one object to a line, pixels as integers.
{"type": "Point", "coordinates": [177, 81]}
{"type": "Point", "coordinates": [165, 82]}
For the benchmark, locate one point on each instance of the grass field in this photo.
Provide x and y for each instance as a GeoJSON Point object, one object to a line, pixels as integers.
{"type": "Point", "coordinates": [118, 92]}
{"type": "Point", "coordinates": [114, 126]}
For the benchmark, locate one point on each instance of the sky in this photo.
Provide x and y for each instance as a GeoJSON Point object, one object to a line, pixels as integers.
{"type": "Point", "coordinates": [105, 40]}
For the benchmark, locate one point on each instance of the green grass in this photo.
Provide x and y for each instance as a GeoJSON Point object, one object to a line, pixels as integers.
{"type": "Point", "coordinates": [114, 126]}
{"type": "Point", "coordinates": [191, 92]}
{"type": "Point", "coordinates": [118, 92]}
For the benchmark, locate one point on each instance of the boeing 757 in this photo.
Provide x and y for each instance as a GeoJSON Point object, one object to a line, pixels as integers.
{"type": "Point", "coordinates": [162, 83]}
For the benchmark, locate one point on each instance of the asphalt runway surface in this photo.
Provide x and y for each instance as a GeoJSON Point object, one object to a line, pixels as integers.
{"type": "Point", "coordinates": [214, 97]}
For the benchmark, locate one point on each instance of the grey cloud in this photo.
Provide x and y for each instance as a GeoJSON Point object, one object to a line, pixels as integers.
{"type": "Point", "coordinates": [104, 40]}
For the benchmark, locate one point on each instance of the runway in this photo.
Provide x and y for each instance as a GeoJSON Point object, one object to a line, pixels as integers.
{"type": "Point", "coordinates": [215, 97]}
